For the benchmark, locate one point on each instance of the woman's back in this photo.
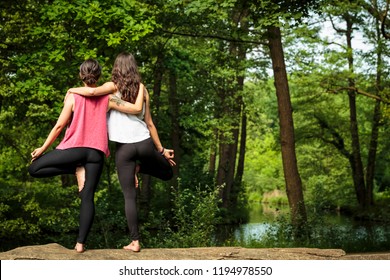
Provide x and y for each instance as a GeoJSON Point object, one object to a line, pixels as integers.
{"type": "Point", "coordinates": [127, 128]}
{"type": "Point", "coordinates": [88, 127]}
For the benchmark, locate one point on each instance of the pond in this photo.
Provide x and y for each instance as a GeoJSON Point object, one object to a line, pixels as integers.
{"type": "Point", "coordinates": [266, 229]}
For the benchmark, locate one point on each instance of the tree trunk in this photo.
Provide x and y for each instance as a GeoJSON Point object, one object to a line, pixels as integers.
{"type": "Point", "coordinates": [158, 77]}
{"type": "Point", "coordinates": [287, 137]}
{"type": "Point", "coordinates": [358, 172]}
{"type": "Point", "coordinates": [241, 155]}
{"type": "Point", "coordinates": [213, 152]}
{"type": "Point", "coordinates": [242, 51]}
{"type": "Point", "coordinates": [357, 169]}
{"type": "Point", "coordinates": [232, 107]}
{"type": "Point", "coordinates": [370, 170]}
{"type": "Point", "coordinates": [175, 131]}
{"type": "Point", "coordinates": [370, 173]}
{"type": "Point", "coordinates": [226, 164]}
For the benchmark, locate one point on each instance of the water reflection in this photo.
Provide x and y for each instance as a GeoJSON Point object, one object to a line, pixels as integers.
{"type": "Point", "coordinates": [330, 231]}
{"type": "Point", "coordinates": [251, 231]}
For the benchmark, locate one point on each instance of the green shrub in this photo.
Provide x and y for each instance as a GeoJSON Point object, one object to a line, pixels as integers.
{"type": "Point", "coordinates": [195, 216]}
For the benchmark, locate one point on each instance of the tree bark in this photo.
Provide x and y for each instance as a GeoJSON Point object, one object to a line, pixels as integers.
{"type": "Point", "coordinates": [287, 137]}
{"type": "Point", "coordinates": [370, 173]}
{"type": "Point", "coordinates": [242, 150]}
{"type": "Point", "coordinates": [242, 52]}
{"type": "Point", "coordinates": [358, 172]}
{"type": "Point", "coordinates": [213, 152]}
{"type": "Point", "coordinates": [228, 144]}
{"type": "Point", "coordinates": [232, 107]}
{"type": "Point", "coordinates": [226, 164]}
{"type": "Point", "coordinates": [370, 170]}
{"type": "Point", "coordinates": [175, 131]}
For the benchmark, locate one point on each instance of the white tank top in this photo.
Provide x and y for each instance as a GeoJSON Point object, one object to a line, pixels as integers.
{"type": "Point", "coordinates": [127, 128]}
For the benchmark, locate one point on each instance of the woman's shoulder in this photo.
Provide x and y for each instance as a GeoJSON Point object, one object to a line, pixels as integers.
{"type": "Point", "coordinates": [144, 90]}
{"type": "Point", "coordinates": [110, 83]}
{"type": "Point", "coordinates": [141, 85]}
{"type": "Point", "coordinates": [69, 98]}
{"type": "Point", "coordinates": [110, 86]}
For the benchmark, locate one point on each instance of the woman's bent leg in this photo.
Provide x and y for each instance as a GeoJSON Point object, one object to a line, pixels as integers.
{"type": "Point", "coordinates": [152, 162]}
{"type": "Point", "coordinates": [55, 162]}
{"type": "Point", "coordinates": [58, 162]}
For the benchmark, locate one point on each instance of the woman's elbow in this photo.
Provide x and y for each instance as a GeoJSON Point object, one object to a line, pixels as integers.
{"type": "Point", "coordinates": [150, 126]}
{"type": "Point", "coordinates": [137, 111]}
{"type": "Point", "coordinates": [128, 110]}
{"type": "Point", "coordinates": [59, 127]}
{"type": "Point", "coordinates": [92, 91]}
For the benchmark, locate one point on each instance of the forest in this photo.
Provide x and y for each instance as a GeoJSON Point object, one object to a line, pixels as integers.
{"type": "Point", "coordinates": [254, 96]}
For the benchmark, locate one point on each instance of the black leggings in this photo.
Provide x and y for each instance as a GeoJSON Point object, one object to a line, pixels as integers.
{"type": "Point", "coordinates": [151, 163]}
{"type": "Point", "coordinates": [57, 162]}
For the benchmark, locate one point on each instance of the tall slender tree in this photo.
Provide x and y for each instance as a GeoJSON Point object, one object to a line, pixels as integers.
{"type": "Point", "coordinates": [363, 176]}
{"type": "Point", "coordinates": [285, 10]}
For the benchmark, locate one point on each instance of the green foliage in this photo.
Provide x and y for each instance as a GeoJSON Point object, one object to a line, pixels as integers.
{"type": "Point", "coordinates": [37, 212]}
{"type": "Point", "coordinates": [194, 219]}
{"type": "Point", "coordinates": [109, 228]}
{"type": "Point", "coordinates": [263, 162]}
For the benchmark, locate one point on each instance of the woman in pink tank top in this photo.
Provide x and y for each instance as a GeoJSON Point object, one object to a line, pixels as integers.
{"type": "Point", "coordinates": [85, 143]}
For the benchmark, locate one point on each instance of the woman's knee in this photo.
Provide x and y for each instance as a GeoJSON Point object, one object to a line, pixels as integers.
{"type": "Point", "coordinates": [33, 169]}
{"type": "Point", "coordinates": [167, 176]}
{"type": "Point", "coordinates": [167, 173]}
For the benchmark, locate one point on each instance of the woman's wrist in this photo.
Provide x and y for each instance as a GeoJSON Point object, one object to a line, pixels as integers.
{"type": "Point", "coordinates": [162, 150]}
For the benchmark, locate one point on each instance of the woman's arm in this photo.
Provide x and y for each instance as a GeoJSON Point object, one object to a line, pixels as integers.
{"type": "Point", "coordinates": [62, 121]}
{"type": "Point", "coordinates": [167, 153]}
{"type": "Point", "coordinates": [126, 107]}
{"type": "Point", "coordinates": [106, 88]}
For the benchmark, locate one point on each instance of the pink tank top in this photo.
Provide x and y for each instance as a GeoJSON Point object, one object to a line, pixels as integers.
{"type": "Point", "coordinates": [88, 127]}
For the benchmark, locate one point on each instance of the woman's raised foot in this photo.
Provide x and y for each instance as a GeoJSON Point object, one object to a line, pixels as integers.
{"type": "Point", "coordinates": [80, 175]}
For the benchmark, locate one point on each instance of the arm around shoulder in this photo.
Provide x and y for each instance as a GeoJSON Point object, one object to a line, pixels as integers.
{"type": "Point", "coordinates": [126, 107]}
{"type": "Point", "coordinates": [106, 88]}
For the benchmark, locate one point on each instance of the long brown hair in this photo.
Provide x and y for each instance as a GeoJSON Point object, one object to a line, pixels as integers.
{"type": "Point", "coordinates": [126, 77]}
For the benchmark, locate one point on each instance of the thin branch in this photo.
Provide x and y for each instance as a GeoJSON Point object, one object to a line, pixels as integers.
{"type": "Point", "coordinates": [334, 43]}
{"type": "Point", "coordinates": [374, 11]}
{"type": "Point", "coordinates": [337, 142]}
{"type": "Point", "coordinates": [383, 20]}
{"type": "Point", "coordinates": [359, 92]}
{"type": "Point", "coordinates": [215, 37]}
{"type": "Point", "coordinates": [338, 30]}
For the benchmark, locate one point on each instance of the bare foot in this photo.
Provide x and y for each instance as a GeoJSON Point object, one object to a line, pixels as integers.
{"type": "Point", "coordinates": [79, 248]}
{"type": "Point", "coordinates": [133, 246]}
{"type": "Point", "coordinates": [80, 175]}
{"type": "Point", "coordinates": [136, 175]}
